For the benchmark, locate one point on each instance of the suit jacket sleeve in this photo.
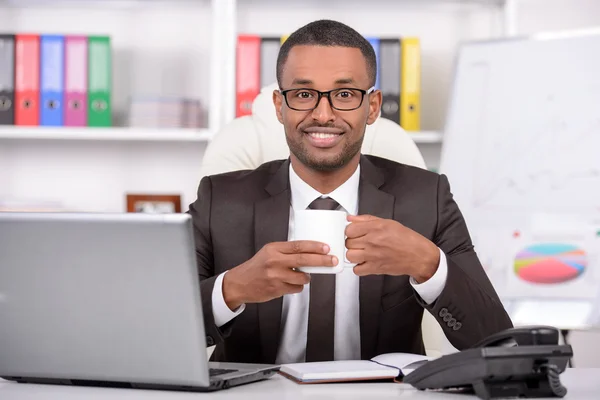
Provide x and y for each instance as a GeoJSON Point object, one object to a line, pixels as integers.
{"type": "Point", "coordinates": [468, 309]}
{"type": "Point", "coordinates": [200, 211]}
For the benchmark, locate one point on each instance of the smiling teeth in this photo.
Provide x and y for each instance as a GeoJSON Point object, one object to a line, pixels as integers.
{"type": "Point", "coordinates": [323, 135]}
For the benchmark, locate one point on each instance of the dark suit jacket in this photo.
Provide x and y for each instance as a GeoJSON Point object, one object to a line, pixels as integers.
{"type": "Point", "coordinates": [237, 213]}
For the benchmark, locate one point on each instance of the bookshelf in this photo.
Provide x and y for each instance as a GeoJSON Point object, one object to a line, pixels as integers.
{"type": "Point", "coordinates": [206, 31]}
{"type": "Point", "coordinates": [187, 48]}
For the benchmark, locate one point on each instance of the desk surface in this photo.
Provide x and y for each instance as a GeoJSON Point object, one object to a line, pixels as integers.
{"type": "Point", "coordinates": [581, 383]}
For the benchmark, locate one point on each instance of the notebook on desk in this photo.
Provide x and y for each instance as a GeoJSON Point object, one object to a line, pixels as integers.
{"type": "Point", "coordinates": [385, 367]}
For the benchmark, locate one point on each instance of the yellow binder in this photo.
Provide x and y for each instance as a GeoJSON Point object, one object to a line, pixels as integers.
{"type": "Point", "coordinates": [410, 93]}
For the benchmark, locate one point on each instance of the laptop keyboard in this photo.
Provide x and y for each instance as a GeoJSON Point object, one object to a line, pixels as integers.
{"type": "Point", "coordinates": [219, 371]}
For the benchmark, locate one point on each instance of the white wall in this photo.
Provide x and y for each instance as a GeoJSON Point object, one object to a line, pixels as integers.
{"type": "Point", "coordinates": [556, 15]}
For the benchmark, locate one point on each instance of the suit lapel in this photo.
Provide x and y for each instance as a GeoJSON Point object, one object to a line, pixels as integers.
{"type": "Point", "coordinates": [376, 202]}
{"type": "Point", "coordinates": [271, 221]}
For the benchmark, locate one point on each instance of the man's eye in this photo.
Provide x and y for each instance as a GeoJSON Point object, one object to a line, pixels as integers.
{"type": "Point", "coordinates": [304, 95]}
{"type": "Point", "coordinates": [345, 94]}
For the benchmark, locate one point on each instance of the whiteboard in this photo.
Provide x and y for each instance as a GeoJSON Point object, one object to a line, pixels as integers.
{"type": "Point", "coordinates": [522, 152]}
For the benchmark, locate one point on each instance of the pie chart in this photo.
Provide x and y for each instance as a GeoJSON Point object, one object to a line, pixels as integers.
{"type": "Point", "coordinates": [550, 263]}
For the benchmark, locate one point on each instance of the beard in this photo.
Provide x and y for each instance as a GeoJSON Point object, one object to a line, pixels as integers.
{"type": "Point", "coordinates": [323, 162]}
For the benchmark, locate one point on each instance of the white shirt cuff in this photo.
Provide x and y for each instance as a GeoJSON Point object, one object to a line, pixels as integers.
{"type": "Point", "coordinates": [221, 312]}
{"type": "Point", "coordinates": [431, 289]}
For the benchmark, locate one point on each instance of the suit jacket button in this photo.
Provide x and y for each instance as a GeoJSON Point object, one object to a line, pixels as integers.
{"type": "Point", "coordinates": [210, 341]}
{"type": "Point", "coordinates": [447, 317]}
{"type": "Point", "coordinates": [457, 326]}
{"type": "Point", "coordinates": [452, 322]}
{"type": "Point", "coordinates": [443, 312]}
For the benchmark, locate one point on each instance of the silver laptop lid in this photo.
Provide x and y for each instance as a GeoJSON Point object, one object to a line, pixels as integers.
{"type": "Point", "coordinates": [108, 297]}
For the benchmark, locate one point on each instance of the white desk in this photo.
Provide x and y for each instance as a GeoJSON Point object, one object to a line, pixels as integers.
{"type": "Point", "coordinates": [581, 383]}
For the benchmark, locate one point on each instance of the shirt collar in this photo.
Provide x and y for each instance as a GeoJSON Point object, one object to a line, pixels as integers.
{"type": "Point", "coordinates": [346, 194]}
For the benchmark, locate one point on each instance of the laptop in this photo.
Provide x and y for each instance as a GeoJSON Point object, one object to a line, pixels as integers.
{"type": "Point", "coordinates": [106, 300]}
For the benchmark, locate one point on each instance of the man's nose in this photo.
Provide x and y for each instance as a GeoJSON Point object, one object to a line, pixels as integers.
{"type": "Point", "coordinates": [323, 113]}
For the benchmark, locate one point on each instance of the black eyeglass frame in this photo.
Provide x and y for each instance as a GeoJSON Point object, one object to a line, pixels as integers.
{"type": "Point", "coordinates": [327, 94]}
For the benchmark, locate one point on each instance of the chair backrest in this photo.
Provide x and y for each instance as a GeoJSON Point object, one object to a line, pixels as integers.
{"type": "Point", "coordinates": [250, 141]}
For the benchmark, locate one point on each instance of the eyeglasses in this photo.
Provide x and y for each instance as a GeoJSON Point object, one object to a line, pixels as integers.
{"type": "Point", "coordinates": [343, 99]}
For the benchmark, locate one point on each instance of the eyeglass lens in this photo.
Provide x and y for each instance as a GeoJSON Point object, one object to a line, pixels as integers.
{"type": "Point", "coordinates": [306, 99]}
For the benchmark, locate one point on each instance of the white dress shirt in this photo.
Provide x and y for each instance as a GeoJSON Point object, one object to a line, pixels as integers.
{"type": "Point", "coordinates": [294, 316]}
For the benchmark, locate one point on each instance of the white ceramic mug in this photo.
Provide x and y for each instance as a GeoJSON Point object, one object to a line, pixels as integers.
{"type": "Point", "coordinates": [326, 226]}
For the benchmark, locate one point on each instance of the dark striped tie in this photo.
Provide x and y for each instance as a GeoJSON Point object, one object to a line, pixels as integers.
{"type": "Point", "coordinates": [321, 310]}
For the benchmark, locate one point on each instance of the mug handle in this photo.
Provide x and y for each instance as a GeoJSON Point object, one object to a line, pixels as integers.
{"type": "Point", "coordinates": [347, 263]}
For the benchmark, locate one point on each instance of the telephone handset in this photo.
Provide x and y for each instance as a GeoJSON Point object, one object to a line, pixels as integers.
{"type": "Point", "coordinates": [516, 362]}
{"type": "Point", "coordinates": [522, 336]}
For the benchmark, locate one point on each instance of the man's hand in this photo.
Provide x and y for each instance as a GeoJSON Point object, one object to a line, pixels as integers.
{"type": "Point", "coordinates": [386, 247]}
{"type": "Point", "coordinates": [270, 273]}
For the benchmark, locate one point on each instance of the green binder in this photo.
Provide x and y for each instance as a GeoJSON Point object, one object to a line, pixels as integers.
{"type": "Point", "coordinates": [99, 81]}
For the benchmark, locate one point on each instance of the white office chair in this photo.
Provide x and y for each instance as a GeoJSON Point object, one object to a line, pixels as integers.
{"type": "Point", "coordinates": [249, 141]}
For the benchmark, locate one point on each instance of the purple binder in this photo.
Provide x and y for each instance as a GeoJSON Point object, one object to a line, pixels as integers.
{"type": "Point", "coordinates": [76, 88]}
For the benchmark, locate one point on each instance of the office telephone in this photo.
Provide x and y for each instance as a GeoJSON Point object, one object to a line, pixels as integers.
{"type": "Point", "coordinates": [517, 362]}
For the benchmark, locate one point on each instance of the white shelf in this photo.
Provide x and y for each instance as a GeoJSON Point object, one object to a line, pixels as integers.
{"type": "Point", "coordinates": [105, 134]}
{"type": "Point", "coordinates": [141, 134]}
{"type": "Point", "coordinates": [426, 136]}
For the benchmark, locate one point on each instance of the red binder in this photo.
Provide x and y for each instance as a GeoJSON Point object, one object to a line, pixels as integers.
{"type": "Point", "coordinates": [247, 73]}
{"type": "Point", "coordinates": [27, 82]}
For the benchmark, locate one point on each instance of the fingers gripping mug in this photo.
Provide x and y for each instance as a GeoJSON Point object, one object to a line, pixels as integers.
{"type": "Point", "coordinates": [326, 226]}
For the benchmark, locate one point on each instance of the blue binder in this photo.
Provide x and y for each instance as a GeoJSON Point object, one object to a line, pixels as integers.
{"type": "Point", "coordinates": [375, 43]}
{"type": "Point", "coordinates": [52, 80]}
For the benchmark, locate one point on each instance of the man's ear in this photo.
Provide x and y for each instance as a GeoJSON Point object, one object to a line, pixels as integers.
{"type": "Point", "coordinates": [278, 102]}
{"type": "Point", "coordinates": [375, 100]}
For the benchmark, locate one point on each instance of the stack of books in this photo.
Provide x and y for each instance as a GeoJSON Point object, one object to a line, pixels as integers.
{"type": "Point", "coordinates": [165, 112]}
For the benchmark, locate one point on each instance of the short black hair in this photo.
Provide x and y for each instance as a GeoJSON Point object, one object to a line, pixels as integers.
{"type": "Point", "coordinates": [326, 32]}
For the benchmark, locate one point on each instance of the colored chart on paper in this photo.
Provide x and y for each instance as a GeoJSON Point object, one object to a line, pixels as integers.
{"type": "Point", "coordinates": [550, 263]}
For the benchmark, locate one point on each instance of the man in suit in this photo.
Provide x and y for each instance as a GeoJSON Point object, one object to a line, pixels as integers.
{"type": "Point", "coordinates": [406, 234]}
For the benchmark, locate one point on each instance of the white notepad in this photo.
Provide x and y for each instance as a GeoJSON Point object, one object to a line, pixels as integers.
{"type": "Point", "coordinates": [383, 367]}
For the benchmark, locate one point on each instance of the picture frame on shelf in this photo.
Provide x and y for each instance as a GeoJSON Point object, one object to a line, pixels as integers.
{"type": "Point", "coordinates": [153, 203]}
